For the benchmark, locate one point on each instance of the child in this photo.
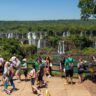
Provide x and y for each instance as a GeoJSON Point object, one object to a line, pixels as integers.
{"type": "Point", "coordinates": [5, 81]}
{"type": "Point", "coordinates": [32, 76]}
{"type": "Point", "coordinates": [41, 82]}
{"type": "Point", "coordinates": [80, 66]}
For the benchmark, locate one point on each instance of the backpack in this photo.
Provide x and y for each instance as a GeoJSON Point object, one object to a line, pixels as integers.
{"type": "Point", "coordinates": [70, 64]}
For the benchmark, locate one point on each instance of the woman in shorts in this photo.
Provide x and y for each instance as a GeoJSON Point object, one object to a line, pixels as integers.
{"type": "Point", "coordinates": [80, 67]}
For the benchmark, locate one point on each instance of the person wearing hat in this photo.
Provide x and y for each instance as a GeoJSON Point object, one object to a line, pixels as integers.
{"type": "Point", "coordinates": [15, 62]}
{"type": "Point", "coordinates": [25, 68]}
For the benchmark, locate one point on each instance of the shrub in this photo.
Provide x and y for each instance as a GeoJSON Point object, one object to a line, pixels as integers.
{"type": "Point", "coordinates": [89, 51]}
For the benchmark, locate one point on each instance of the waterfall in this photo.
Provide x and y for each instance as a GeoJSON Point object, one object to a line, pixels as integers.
{"type": "Point", "coordinates": [38, 45]}
{"type": "Point", "coordinates": [29, 38]}
{"type": "Point", "coordinates": [34, 38]}
{"type": "Point", "coordinates": [61, 47]}
{"type": "Point", "coordinates": [39, 41]}
{"type": "Point", "coordinates": [29, 35]}
{"type": "Point", "coordinates": [10, 35]}
{"type": "Point", "coordinates": [64, 34]}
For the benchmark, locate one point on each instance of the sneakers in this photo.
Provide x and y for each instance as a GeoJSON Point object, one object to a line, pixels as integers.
{"type": "Point", "coordinates": [49, 76]}
{"type": "Point", "coordinates": [6, 91]}
{"type": "Point", "coordinates": [13, 89]}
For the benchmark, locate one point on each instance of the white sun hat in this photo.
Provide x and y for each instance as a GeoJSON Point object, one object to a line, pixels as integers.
{"type": "Point", "coordinates": [13, 58]}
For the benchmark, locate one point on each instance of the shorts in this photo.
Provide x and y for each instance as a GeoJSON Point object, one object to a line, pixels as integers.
{"type": "Point", "coordinates": [6, 85]}
{"type": "Point", "coordinates": [1, 70]}
{"type": "Point", "coordinates": [25, 72]}
{"type": "Point", "coordinates": [69, 73]}
{"type": "Point", "coordinates": [40, 78]}
{"type": "Point", "coordinates": [32, 81]}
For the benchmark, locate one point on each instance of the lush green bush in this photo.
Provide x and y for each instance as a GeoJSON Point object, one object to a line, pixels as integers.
{"type": "Point", "coordinates": [28, 50]}
{"type": "Point", "coordinates": [10, 47]}
{"type": "Point", "coordinates": [89, 51]}
{"type": "Point", "coordinates": [80, 42]}
{"type": "Point", "coordinates": [46, 50]}
{"type": "Point", "coordinates": [75, 51]}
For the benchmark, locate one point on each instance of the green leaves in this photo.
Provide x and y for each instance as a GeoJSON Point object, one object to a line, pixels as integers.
{"type": "Point", "coordinates": [87, 8]}
{"type": "Point", "coordinates": [9, 47]}
{"type": "Point", "coordinates": [80, 42]}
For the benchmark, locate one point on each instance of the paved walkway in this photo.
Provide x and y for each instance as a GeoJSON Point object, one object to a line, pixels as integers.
{"type": "Point", "coordinates": [56, 87]}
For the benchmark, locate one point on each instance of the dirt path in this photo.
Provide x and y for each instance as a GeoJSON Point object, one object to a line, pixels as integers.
{"type": "Point", "coordinates": [56, 87]}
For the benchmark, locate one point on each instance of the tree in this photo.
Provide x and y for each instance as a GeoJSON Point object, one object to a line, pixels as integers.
{"type": "Point", "coordinates": [80, 42]}
{"type": "Point", "coordinates": [88, 8]}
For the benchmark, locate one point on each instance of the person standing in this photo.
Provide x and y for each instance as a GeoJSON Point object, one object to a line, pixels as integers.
{"type": "Point", "coordinates": [80, 67]}
{"type": "Point", "coordinates": [17, 65]}
{"type": "Point", "coordinates": [25, 68]}
{"type": "Point", "coordinates": [69, 69]}
{"type": "Point", "coordinates": [32, 76]}
{"type": "Point", "coordinates": [62, 69]}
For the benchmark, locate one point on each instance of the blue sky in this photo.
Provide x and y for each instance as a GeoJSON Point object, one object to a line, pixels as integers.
{"type": "Point", "coordinates": [39, 9]}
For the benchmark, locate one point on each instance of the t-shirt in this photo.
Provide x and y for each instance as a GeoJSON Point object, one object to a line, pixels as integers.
{"type": "Point", "coordinates": [80, 65]}
{"type": "Point", "coordinates": [6, 68]}
{"type": "Point", "coordinates": [37, 66]}
{"type": "Point", "coordinates": [33, 73]}
{"type": "Point", "coordinates": [41, 66]}
{"type": "Point", "coordinates": [25, 65]}
{"type": "Point", "coordinates": [68, 61]}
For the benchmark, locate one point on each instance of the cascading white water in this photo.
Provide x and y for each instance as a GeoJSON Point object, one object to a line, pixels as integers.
{"type": "Point", "coordinates": [61, 47]}
{"type": "Point", "coordinates": [39, 41]}
{"type": "Point", "coordinates": [64, 34]}
{"type": "Point", "coordinates": [29, 38]}
{"type": "Point", "coordinates": [34, 38]}
{"type": "Point", "coordinates": [29, 35]}
{"type": "Point", "coordinates": [38, 45]}
{"type": "Point", "coordinates": [10, 35]}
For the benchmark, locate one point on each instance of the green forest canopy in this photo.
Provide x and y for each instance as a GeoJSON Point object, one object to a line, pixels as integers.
{"type": "Point", "coordinates": [50, 25]}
